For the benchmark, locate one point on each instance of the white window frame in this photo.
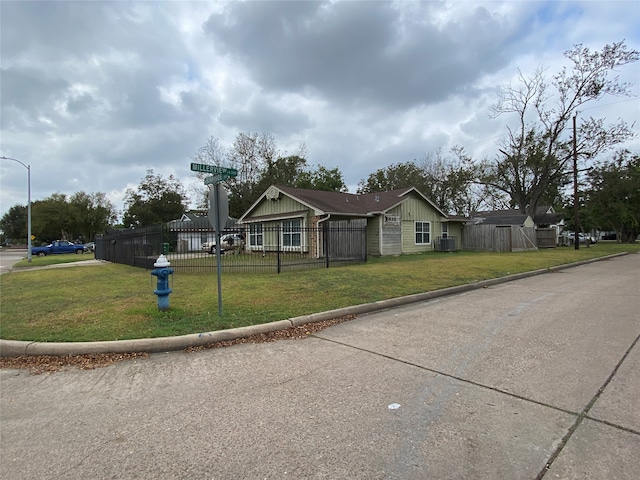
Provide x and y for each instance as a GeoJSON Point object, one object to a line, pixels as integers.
{"type": "Point", "coordinates": [392, 219]}
{"type": "Point", "coordinates": [291, 231]}
{"type": "Point", "coordinates": [256, 236]}
{"type": "Point", "coordinates": [422, 232]}
{"type": "Point", "coordinates": [445, 230]}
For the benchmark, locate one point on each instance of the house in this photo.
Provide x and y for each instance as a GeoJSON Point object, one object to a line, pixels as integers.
{"type": "Point", "coordinates": [509, 230]}
{"type": "Point", "coordinates": [544, 217]}
{"type": "Point", "coordinates": [397, 221]}
{"type": "Point", "coordinates": [545, 221]}
{"type": "Point", "coordinates": [193, 229]}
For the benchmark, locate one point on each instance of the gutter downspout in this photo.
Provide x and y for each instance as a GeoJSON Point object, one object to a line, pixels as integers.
{"type": "Point", "coordinates": [318, 237]}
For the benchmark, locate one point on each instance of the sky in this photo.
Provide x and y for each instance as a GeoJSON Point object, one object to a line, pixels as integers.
{"type": "Point", "coordinates": [93, 94]}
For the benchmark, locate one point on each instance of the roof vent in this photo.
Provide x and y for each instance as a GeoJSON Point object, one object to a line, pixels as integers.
{"type": "Point", "coordinates": [376, 198]}
{"type": "Point", "coordinates": [273, 194]}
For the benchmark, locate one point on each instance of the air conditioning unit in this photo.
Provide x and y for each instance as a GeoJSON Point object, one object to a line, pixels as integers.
{"type": "Point", "coordinates": [448, 244]}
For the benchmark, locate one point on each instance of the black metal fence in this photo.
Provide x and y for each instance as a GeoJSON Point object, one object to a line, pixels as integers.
{"type": "Point", "coordinates": [255, 248]}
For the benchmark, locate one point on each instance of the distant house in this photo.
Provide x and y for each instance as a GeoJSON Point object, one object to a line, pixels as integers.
{"type": "Point", "coordinates": [193, 229]}
{"type": "Point", "coordinates": [512, 230]}
{"type": "Point", "coordinates": [544, 217]}
{"type": "Point", "coordinates": [398, 221]}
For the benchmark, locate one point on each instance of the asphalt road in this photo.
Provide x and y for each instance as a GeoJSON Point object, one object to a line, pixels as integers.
{"type": "Point", "coordinates": [535, 378]}
{"type": "Point", "coordinates": [9, 257]}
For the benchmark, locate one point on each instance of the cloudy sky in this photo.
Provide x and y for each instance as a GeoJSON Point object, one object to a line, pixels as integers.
{"type": "Point", "coordinates": [95, 93]}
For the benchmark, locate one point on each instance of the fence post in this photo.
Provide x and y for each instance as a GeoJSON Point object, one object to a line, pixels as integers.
{"type": "Point", "coordinates": [278, 231]}
{"type": "Point", "coordinates": [325, 231]}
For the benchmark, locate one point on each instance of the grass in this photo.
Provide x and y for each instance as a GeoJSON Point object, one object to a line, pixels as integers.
{"type": "Point", "coordinates": [54, 259]}
{"type": "Point", "coordinates": [113, 302]}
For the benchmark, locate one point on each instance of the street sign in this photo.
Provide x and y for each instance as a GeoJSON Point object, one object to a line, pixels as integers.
{"type": "Point", "coordinates": [218, 208]}
{"type": "Point", "coordinates": [214, 169]}
{"type": "Point", "coordinates": [218, 215]}
{"type": "Point", "coordinates": [215, 179]}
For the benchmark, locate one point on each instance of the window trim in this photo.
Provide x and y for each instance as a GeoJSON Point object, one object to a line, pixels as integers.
{"type": "Point", "coordinates": [422, 233]}
{"type": "Point", "coordinates": [253, 236]}
{"type": "Point", "coordinates": [292, 232]}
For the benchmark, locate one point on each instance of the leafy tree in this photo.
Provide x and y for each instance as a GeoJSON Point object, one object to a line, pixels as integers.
{"type": "Point", "coordinates": [445, 181]}
{"type": "Point", "coordinates": [260, 163]}
{"type": "Point", "coordinates": [283, 170]}
{"type": "Point", "coordinates": [14, 224]}
{"type": "Point", "coordinates": [613, 199]}
{"type": "Point", "coordinates": [92, 213]}
{"type": "Point", "coordinates": [535, 160]}
{"type": "Point", "coordinates": [294, 171]}
{"type": "Point", "coordinates": [323, 178]}
{"type": "Point", "coordinates": [52, 219]}
{"type": "Point", "coordinates": [156, 200]}
{"type": "Point", "coordinates": [393, 177]}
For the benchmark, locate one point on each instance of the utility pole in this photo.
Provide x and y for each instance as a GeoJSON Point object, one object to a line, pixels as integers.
{"type": "Point", "coordinates": [576, 216]}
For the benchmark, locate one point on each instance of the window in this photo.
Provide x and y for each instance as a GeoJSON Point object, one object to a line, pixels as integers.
{"type": "Point", "coordinates": [255, 235]}
{"type": "Point", "coordinates": [291, 233]}
{"type": "Point", "coordinates": [423, 236]}
{"type": "Point", "coordinates": [392, 219]}
{"type": "Point", "coordinates": [445, 230]}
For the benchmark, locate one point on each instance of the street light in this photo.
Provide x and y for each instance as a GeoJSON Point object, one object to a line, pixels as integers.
{"type": "Point", "coordinates": [28, 167]}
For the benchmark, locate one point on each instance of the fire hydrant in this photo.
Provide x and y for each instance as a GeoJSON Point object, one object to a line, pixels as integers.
{"type": "Point", "coordinates": [162, 271]}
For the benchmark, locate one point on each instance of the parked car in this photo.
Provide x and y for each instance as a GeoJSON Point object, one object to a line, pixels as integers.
{"type": "Point", "coordinates": [90, 247]}
{"type": "Point", "coordinates": [582, 238]}
{"type": "Point", "coordinates": [59, 246]}
{"type": "Point", "coordinates": [229, 241]}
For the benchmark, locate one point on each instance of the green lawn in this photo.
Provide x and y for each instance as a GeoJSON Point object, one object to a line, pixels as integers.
{"type": "Point", "coordinates": [113, 302]}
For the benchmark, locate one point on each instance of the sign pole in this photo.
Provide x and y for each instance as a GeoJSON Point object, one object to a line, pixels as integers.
{"type": "Point", "coordinates": [216, 186]}
{"type": "Point", "coordinates": [220, 210]}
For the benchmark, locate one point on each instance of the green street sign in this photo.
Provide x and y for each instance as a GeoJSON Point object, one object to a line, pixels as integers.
{"type": "Point", "coordinates": [215, 179]}
{"type": "Point", "coordinates": [214, 169]}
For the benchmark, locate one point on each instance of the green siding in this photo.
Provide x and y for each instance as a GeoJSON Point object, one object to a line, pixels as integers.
{"type": "Point", "coordinates": [415, 209]}
{"type": "Point", "coordinates": [373, 236]}
{"type": "Point", "coordinates": [282, 206]}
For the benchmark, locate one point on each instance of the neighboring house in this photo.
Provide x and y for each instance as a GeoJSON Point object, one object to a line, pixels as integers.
{"type": "Point", "coordinates": [397, 221]}
{"type": "Point", "coordinates": [545, 220]}
{"type": "Point", "coordinates": [544, 217]}
{"type": "Point", "coordinates": [193, 229]}
{"type": "Point", "coordinates": [500, 231]}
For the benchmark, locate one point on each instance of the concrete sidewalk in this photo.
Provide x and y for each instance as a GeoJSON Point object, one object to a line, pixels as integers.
{"type": "Point", "coordinates": [529, 379]}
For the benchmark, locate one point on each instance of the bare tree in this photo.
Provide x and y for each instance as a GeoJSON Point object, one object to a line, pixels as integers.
{"type": "Point", "coordinates": [211, 153]}
{"type": "Point", "coordinates": [533, 164]}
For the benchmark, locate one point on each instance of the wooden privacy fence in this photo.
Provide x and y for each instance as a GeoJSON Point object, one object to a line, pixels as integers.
{"type": "Point", "coordinates": [497, 238]}
{"type": "Point", "coordinates": [546, 237]}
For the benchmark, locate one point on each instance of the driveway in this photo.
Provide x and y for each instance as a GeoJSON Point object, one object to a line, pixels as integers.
{"type": "Point", "coordinates": [536, 378]}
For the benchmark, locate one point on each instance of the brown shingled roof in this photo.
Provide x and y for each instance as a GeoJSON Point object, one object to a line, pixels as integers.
{"type": "Point", "coordinates": [350, 203]}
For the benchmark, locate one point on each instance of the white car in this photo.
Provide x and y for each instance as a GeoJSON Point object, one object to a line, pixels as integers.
{"type": "Point", "coordinates": [582, 238]}
{"type": "Point", "coordinates": [229, 241]}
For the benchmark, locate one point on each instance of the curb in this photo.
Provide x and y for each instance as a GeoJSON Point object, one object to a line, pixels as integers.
{"type": "Point", "coordinates": [16, 348]}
